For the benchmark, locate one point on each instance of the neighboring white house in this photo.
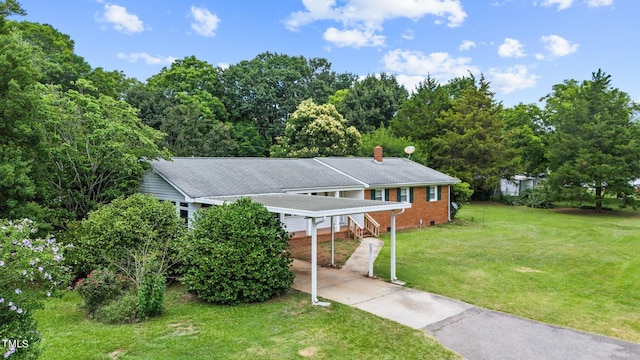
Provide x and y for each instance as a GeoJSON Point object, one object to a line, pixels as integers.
{"type": "Point", "coordinates": [517, 184]}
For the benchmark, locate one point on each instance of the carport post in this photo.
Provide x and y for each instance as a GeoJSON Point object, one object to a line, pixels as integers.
{"type": "Point", "coordinates": [314, 264]}
{"type": "Point", "coordinates": [394, 279]}
{"type": "Point", "coordinates": [393, 246]}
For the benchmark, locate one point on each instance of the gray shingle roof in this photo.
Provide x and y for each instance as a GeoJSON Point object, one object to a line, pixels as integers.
{"type": "Point", "coordinates": [200, 177]}
{"type": "Point", "coordinates": [211, 177]}
{"type": "Point", "coordinates": [391, 171]}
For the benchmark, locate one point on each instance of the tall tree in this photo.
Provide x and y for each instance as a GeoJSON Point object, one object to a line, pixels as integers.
{"type": "Point", "coordinates": [19, 131]}
{"type": "Point", "coordinates": [372, 102]}
{"type": "Point", "coordinates": [472, 145]}
{"type": "Point", "coordinates": [97, 148]}
{"type": "Point", "coordinates": [267, 89]}
{"type": "Point", "coordinates": [60, 65]}
{"type": "Point", "coordinates": [316, 130]}
{"type": "Point", "coordinates": [419, 119]}
{"type": "Point", "coordinates": [595, 141]}
{"type": "Point", "coordinates": [527, 134]}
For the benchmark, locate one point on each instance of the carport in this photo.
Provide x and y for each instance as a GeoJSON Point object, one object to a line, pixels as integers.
{"type": "Point", "coordinates": [319, 209]}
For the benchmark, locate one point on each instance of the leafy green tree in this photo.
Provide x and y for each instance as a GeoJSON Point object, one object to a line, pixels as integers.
{"type": "Point", "coordinates": [20, 133]}
{"type": "Point", "coordinates": [110, 83]}
{"type": "Point", "coordinates": [96, 148]}
{"type": "Point", "coordinates": [236, 253]}
{"type": "Point", "coordinates": [151, 103]}
{"type": "Point", "coordinates": [188, 76]}
{"type": "Point", "coordinates": [419, 119]}
{"type": "Point", "coordinates": [392, 145]}
{"type": "Point", "coordinates": [317, 130]}
{"type": "Point", "coordinates": [595, 141]}
{"type": "Point", "coordinates": [267, 89]}
{"type": "Point", "coordinates": [527, 134]}
{"type": "Point", "coordinates": [472, 146]}
{"type": "Point", "coordinates": [372, 102]}
{"type": "Point", "coordinates": [60, 65]}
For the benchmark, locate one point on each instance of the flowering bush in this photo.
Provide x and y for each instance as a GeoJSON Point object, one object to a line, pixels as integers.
{"type": "Point", "coordinates": [30, 270]}
{"type": "Point", "coordinates": [99, 288]}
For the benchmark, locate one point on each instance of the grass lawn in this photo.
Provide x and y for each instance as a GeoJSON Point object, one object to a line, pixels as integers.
{"type": "Point", "coordinates": [283, 328]}
{"type": "Point", "coordinates": [570, 268]}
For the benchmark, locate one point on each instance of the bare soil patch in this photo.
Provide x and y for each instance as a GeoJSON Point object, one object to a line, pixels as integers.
{"type": "Point", "coordinates": [343, 250]}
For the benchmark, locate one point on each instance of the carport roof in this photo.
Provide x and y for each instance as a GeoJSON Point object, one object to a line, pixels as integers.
{"type": "Point", "coordinates": [312, 206]}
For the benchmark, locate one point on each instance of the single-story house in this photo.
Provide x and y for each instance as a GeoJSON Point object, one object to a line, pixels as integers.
{"type": "Point", "coordinates": [363, 194]}
{"type": "Point", "coordinates": [194, 183]}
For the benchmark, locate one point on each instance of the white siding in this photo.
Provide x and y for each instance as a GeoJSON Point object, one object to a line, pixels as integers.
{"type": "Point", "coordinates": [356, 194]}
{"type": "Point", "coordinates": [153, 184]}
{"type": "Point", "coordinates": [295, 223]}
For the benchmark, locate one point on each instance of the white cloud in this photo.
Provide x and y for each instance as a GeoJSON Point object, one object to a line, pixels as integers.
{"type": "Point", "coordinates": [121, 20]}
{"type": "Point", "coordinates": [408, 34]}
{"type": "Point", "coordinates": [354, 38]}
{"type": "Point", "coordinates": [511, 48]}
{"type": "Point", "coordinates": [148, 59]}
{"type": "Point", "coordinates": [512, 79]}
{"type": "Point", "coordinates": [562, 4]}
{"type": "Point", "coordinates": [558, 46]}
{"type": "Point", "coordinates": [597, 3]}
{"type": "Point", "coordinates": [204, 22]}
{"type": "Point", "coordinates": [368, 16]}
{"type": "Point", "coordinates": [466, 45]}
{"type": "Point", "coordinates": [540, 57]}
{"type": "Point", "coordinates": [438, 65]}
{"type": "Point", "coordinates": [410, 82]}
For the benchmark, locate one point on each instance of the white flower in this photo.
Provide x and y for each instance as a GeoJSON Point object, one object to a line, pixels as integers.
{"type": "Point", "coordinates": [18, 291]}
{"type": "Point", "coordinates": [1, 263]}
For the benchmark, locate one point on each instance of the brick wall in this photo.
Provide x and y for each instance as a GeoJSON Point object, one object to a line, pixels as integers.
{"type": "Point", "coordinates": [429, 211]}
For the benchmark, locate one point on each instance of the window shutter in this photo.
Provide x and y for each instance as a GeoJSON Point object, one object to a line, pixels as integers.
{"type": "Point", "coordinates": [373, 195]}
{"type": "Point", "coordinates": [439, 192]}
{"type": "Point", "coordinates": [428, 192]}
{"type": "Point", "coordinates": [411, 195]}
{"type": "Point", "coordinates": [386, 195]}
{"type": "Point", "coordinates": [398, 194]}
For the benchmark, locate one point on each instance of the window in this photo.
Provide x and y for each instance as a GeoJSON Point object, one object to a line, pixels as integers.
{"type": "Point", "coordinates": [205, 206]}
{"type": "Point", "coordinates": [184, 214]}
{"type": "Point", "coordinates": [377, 194]}
{"type": "Point", "coordinates": [433, 193]}
{"type": "Point", "coordinates": [403, 195]}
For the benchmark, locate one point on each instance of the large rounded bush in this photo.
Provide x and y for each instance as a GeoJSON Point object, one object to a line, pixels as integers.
{"type": "Point", "coordinates": [126, 233]}
{"type": "Point", "coordinates": [236, 253]}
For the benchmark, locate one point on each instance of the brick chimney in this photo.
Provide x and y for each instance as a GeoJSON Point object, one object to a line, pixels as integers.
{"type": "Point", "coordinates": [377, 154]}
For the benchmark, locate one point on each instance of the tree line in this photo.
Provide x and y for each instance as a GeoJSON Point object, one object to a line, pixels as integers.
{"type": "Point", "coordinates": [73, 137]}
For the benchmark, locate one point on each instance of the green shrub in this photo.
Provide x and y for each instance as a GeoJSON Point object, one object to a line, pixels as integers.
{"type": "Point", "coordinates": [115, 235]}
{"type": "Point", "coordinates": [99, 288]}
{"type": "Point", "coordinates": [236, 253]}
{"type": "Point", "coordinates": [123, 310]}
{"type": "Point", "coordinates": [537, 197]}
{"type": "Point", "coordinates": [150, 296]}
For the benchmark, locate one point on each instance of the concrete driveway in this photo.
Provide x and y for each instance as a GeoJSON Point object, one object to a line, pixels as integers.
{"type": "Point", "coordinates": [473, 332]}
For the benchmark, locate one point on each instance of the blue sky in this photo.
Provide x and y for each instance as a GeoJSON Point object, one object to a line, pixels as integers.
{"type": "Point", "coordinates": [523, 47]}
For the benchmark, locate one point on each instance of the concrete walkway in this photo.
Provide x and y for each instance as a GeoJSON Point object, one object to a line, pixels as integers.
{"type": "Point", "coordinates": [473, 332]}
